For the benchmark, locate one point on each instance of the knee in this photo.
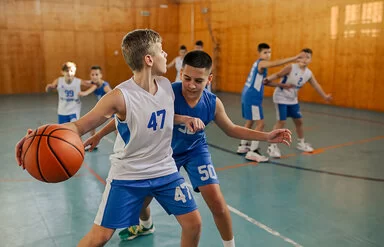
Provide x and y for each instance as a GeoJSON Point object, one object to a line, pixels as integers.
{"type": "Point", "coordinates": [218, 207]}
{"type": "Point", "coordinates": [193, 227]}
{"type": "Point", "coordinates": [299, 122]}
{"type": "Point", "coordinates": [280, 124]}
{"type": "Point", "coordinates": [101, 239]}
{"type": "Point", "coordinates": [260, 125]}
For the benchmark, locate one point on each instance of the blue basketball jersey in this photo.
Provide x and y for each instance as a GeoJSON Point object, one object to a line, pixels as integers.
{"type": "Point", "coordinates": [253, 90]}
{"type": "Point", "coordinates": [99, 92]}
{"type": "Point", "coordinates": [183, 140]}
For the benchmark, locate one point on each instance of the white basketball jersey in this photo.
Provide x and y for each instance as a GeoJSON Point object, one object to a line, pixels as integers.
{"type": "Point", "coordinates": [69, 100]}
{"type": "Point", "coordinates": [297, 77]}
{"type": "Point", "coordinates": [143, 145]}
{"type": "Point", "coordinates": [178, 65]}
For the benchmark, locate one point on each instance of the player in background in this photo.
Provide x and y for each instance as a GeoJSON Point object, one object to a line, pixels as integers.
{"type": "Point", "coordinates": [294, 76]}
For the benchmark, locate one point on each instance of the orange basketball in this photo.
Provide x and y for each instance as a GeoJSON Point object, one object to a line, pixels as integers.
{"type": "Point", "coordinates": [52, 153]}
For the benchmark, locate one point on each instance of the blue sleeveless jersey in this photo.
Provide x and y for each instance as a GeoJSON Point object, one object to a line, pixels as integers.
{"type": "Point", "coordinates": [183, 140]}
{"type": "Point", "coordinates": [99, 92]}
{"type": "Point", "coordinates": [253, 90]}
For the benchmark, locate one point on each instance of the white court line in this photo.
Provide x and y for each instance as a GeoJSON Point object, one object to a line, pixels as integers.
{"type": "Point", "coordinates": [246, 217]}
{"type": "Point", "coordinates": [108, 139]}
{"type": "Point", "coordinates": [258, 224]}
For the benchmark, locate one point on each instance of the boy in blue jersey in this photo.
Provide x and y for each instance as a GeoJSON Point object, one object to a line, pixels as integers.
{"type": "Point", "coordinates": [286, 99]}
{"type": "Point", "coordinates": [99, 87]}
{"type": "Point", "coordinates": [252, 99]}
{"type": "Point", "coordinates": [141, 164]}
{"type": "Point", "coordinates": [195, 108]}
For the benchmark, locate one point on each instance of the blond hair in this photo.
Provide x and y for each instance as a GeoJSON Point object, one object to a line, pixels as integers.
{"type": "Point", "coordinates": [66, 66]}
{"type": "Point", "coordinates": [136, 45]}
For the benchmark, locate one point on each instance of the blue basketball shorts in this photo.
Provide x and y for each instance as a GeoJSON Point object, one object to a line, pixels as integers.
{"type": "Point", "coordinates": [67, 118]}
{"type": "Point", "coordinates": [123, 199]}
{"type": "Point", "coordinates": [252, 112]}
{"type": "Point", "coordinates": [284, 111]}
{"type": "Point", "coordinates": [198, 165]}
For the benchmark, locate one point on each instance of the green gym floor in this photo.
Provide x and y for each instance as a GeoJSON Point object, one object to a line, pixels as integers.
{"type": "Point", "coordinates": [334, 197]}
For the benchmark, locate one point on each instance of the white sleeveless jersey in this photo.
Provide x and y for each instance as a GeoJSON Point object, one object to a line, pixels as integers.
{"type": "Point", "coordinates": [143, 145]}
{"type": "Point", "coordinates": [178, 65]}
{"type": "Point", "coordinates": [297, 77]}
{"type": "Point", "coordinates": [69, 100]}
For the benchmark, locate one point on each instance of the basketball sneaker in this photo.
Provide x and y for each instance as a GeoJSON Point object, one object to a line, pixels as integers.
{"type": "Point", "coordinates": [135, 231]}
{"type": "Point", "coordinates": [256, 156]}
{"type": "Point", "coordinates": [242, 149]}
{"type": "Point", "coordinates": [306, 147]}
{"type": "Point", "coordinates": [273, 151]}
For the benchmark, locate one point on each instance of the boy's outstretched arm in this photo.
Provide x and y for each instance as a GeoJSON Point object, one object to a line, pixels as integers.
{"type": "Point", "coordinates": [107, 89]}
{"type": "Point", "coordinates": [193, 124]}
{"type": "Point", "coordinates": [268, 81]}
{"type": "Point", "coordinates": [239, 132]}
{"type": "Point", "coordinates": [319, 89]}
{"type": "Point", "coordinates": [107, 106]}
{"type": "Point", "coordinates": [50, 86]}
{"type": "Point", "coordinates": [87, 92]}
{"type": "Point", "coordinates": [172, 63]}
{"type": "Point", "coordinates": [94, 140]}
{"type": "Point", "coordinates": [268, 64]}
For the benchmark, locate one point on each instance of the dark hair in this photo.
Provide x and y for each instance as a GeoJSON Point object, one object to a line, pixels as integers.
{"type": "Point", "coordinates": [136, 45]}
{"type": "Point", "coordinates": [199, 42]}
{"type": "Point", "coordinates": [198, 59]}
{"type": "Point", "coordinates": [183, 47]}
{"type": "Point", "coordinates": [65, 67]}
{"type": "Point", "coordinates": [262, 46]}
{"type": "Point", "coordinates": [307, 50]}
{"type": "Point", "coordinates": [96, 67]}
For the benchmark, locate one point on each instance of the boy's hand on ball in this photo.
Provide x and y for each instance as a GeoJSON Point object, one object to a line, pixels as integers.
{"type": "Point", "coordinates": [18, 148]}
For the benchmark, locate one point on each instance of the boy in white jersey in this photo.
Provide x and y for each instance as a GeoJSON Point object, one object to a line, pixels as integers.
{"type": "Point", "coordinates": [69, 91]}
{"type": "Point", "coordinates": [195, 108]}
{"type": "Point", "coordinates": [252, 99]}
{"type": "Point", "coordinates": [177, 61]}
{"type": "Point", "coordinates": [142, 163]}
{"type": "Point", "coordinates": [286, 100]}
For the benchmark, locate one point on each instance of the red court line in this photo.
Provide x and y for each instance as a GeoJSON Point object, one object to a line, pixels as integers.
{"type": "Point", "coordinates": [321, 150]}
{"type": "Point", "coordinates": [94, 173]}
{"type": "Point", "coordinates": [236, 166]}
{"type": "Point", "coordinates": [316, 151]}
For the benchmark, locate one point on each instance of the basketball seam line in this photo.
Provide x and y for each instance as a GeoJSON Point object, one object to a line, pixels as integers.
{"type": "Point", "coordinates": [54, 153]}
{"type": "Point", "coordinates": [37, 154]}
{"type": "Point", "coordinates": [30, 144]}
{"type": "Point", "coordinates": [49, 135]}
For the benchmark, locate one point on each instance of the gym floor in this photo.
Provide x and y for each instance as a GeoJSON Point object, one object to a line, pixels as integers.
{"type": "Point", "coordinates": [333, 197]}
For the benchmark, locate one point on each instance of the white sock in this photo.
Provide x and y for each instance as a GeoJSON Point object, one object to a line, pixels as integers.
{"type": "Point", "coordinates": [301, 141]}
{"type": "Point", "coordinates": [254, 145]}
{"type": "Point", "coordinates": [146, 223]}
{"type": "Point", "coordinates": [230, 243]}
{"type": "Point", "coordinates": [244, 143]}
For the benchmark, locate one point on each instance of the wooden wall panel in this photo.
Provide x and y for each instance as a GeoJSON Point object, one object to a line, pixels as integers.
{"type": "Point", "coordinates": [21, 63]}
{"type": "Point", "coordinates": [116, 70]}
{"type": "Point", "coordinates": [86, 32]}
{"type": "Point", "coordinates": [346, 37]}
{"type": "Point", "coordinates": [25, 15]}
{"type": "Point", "coordinates": [3, 16]}
{"type": "Point", "coordinates": [59, 47]}
{"type": "Point", "coordinates": [57, 15]}
{"type": "Point", "coordinates": [89, 45]}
